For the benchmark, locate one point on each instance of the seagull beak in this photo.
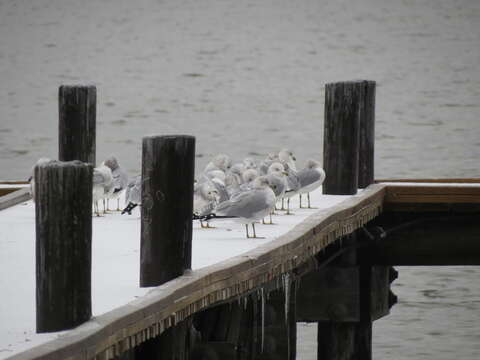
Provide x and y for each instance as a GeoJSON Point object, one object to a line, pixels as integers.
{"type": "Point", "coordinates": [285, 173]}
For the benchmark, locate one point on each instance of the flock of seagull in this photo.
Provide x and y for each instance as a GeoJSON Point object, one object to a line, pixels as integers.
{"type": "Point", "coordinates": [245, 191]}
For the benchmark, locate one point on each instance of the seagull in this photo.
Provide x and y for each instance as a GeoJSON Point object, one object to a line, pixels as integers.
{"type": "Point", "coordinates": [286, 157]}
{"type": "Point", "coordinates": [310, 177]}
{"type": "Point", "coordinates": [249, 206]}
{"type": "Point", "coordinates": [249, 163]}
{"type": "Point", "coordinates": [248, 177]}
{"type": "Point", "coordinates": [205, 199]}
{"type": "Point", "coordinates": [219, 162]}
{"type": "Point", "coordinates": [133, 194]}
{"type": "Point", "coordinates": [293, 185]}
{"type": "Point", "coordinates": [269, 160]}
{"type": "Point", "coordinates": [278, 184]}
{"type": "Point", "coordinates": [120, 179]}
{"type": "Point", "coordinates": [102, 186]}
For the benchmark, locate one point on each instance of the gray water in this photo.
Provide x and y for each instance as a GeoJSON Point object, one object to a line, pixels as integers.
{"type": "Point", "coordinates": [246, 78]}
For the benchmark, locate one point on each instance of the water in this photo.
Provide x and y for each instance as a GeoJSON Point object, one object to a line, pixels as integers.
{"type": "Point", "coordinates": [246, 78]}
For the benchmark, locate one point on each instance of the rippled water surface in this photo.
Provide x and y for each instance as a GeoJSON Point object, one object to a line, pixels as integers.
{"type": "Point", "coordinates": [247, 77]}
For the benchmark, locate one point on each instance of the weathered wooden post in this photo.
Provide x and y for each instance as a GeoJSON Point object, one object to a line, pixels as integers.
{"type": "Point", "coordinates": [366, 153]}
{"type": "Point", "coordinates": [63, 214]}
{"type": "Point", "coordinates": [167, 207]}
{"type": "Point", "coordinates": [344, 102]}
{"type": "Point", "coordinates": [344, 106]}
{"type": "Point", "coordinates": [77, 106]}
{"type": "Point", "coordinates": [280, 326]}
{"type": "Point", "coordinates": [368, 275]}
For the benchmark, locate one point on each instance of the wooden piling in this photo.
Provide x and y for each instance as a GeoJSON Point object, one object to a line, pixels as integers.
{"type": "Point", "coordinates": [63, 214]}
{"type": "Point", "coordinates": [167, 208]}
{"type": "Point", "coordinates": [343, 108]}
{"type": "Point", "coordinates": [77, 106]}
{"type": "Point", "coordinates": [366, 151]}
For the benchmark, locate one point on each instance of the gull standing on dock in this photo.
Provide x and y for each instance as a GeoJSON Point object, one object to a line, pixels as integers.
{"type": "Point", "coordinates": [205, 199]}
{"type": "Point", "coordinates": [293, 185]}
{"type": "Point", "coordinates": [250, 206]}
{"type": "Point", "coordinates": [310, 177]}
{"type": "Point", "coordinates": [120, 179]}
{"type": "Point", "coordinates": [102, 186]}
{"type": "Point", "coordinates": [133, 194]}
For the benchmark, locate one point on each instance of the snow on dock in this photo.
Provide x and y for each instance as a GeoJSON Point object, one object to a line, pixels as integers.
{"type": "Point", "coordinates": [115, 261]}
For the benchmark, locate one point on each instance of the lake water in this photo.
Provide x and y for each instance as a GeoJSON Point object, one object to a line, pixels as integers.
{"type": "Point", "coordinates": [247, 78]}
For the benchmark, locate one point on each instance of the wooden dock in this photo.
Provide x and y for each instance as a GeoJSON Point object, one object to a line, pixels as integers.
{"type": "Point", "coordinates": [416, 221]}
{"type": "Point", "coordinates": [333, 268]}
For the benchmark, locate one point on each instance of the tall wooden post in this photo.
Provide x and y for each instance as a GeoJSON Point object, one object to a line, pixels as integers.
{"type": "Point", "coordinates": [167, 208]}
{"type": "Point", "coordinates": [63, 214]}
{"type": "Point", "coordinates": [366, 152]}
{"type": "Point", "coordinates": [363, 336]}
{"type": "Point", "coordinates": [77, 123]}
{"type": "Point", "coordinates": [344, 106]}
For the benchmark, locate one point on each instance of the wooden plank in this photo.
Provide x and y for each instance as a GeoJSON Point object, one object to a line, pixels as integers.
{"type": "Point", "coordinates": [433, 194]}
{"type": "Point", "coordinates": [14, 198]}
{"type": "Point", "coordinates": [433, 181]}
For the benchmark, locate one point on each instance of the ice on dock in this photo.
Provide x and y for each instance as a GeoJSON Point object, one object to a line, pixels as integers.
{"type": "Point", "coordinates": [115, 261]}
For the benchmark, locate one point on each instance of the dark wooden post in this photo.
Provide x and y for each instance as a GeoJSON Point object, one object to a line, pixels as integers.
{"type": "Point", "coordinates": [367, 136]}
{"type": "Point", "coordinates": [343, 108]}
{"type": "Point", "coordinates": [167, 207]}
{"type": "Point", "coordinates": [77, 123]}
{"type": "Point", "coordinates": [63, 213]}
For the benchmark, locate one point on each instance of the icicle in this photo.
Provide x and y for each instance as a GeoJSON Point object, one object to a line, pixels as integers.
{"type": "Point", "coordinates": [263, 317]}
{"type": "Point", "coordinates": [286, 288]}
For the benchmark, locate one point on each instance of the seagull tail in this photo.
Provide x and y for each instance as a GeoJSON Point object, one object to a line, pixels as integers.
{"type": "Point", "coordinates": [129, 208]}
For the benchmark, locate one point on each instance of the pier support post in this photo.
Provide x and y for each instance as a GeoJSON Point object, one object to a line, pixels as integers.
{"type": "Point", "coordinates": [280, 326]}
{"type": "Point", "coordinates": [167, 207]}
{"type": "Point", "coordinates": [77, 123]}
{"type": "Point", "coordinates": [63, 215]}
{"type": "Point", "coordinates": [346, 116]}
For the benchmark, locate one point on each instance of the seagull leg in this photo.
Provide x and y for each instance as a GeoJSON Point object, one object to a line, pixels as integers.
{"type": "Point", "coordinates": [288, 207]}
{"type": "Point", "coordinates": [254, 234]}
{"type": "Point", "coordinates": [300, 196]}
{"type": "Point", "coordinates": [118, 204]}
{"type": "Point", "coordinates": [246, 227]}
{"type": "Point", "coordinates": [209, 227]}
{"type": "Point", "coordinates": [283, 204]}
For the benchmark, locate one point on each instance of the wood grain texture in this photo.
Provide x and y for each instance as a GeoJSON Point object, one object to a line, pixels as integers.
{"type": "Point", "coordinates": [168, 167]}
{"type": "Point", "coordinates": [63, 212]}
{"type": "Point", "coordinates": [366, 152]}
{"type": "Point", "coordinates": [77, 108]}
{"type": "Point", "coordinates": [344, 105]}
